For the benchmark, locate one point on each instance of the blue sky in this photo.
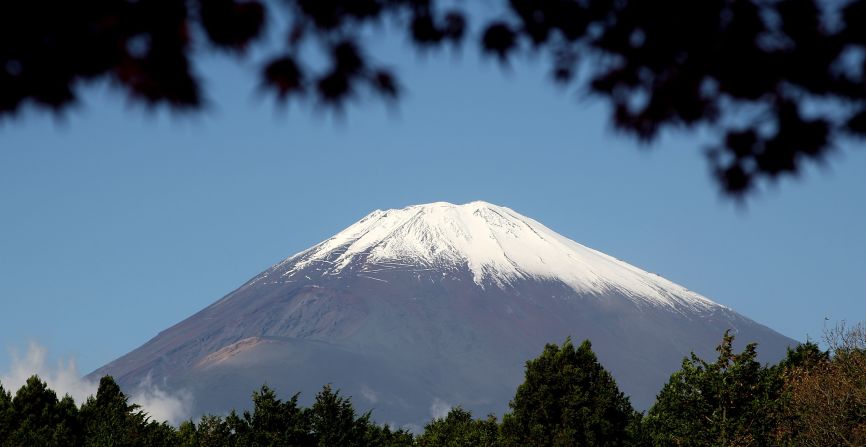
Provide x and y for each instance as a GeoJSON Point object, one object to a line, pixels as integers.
{"type": "Point", "coordinates": [117, 223]}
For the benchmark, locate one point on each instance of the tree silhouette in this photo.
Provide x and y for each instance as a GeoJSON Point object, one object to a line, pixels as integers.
{"type": "Point", "coordinates": [781, 83]}
{"type": "Point", "coordinates": [274, 422]}
{"type": "Point", "coordinates": [567, 398]}
{"type": "Point", "coordinates": [37, 417]}
{"type": "Point", "coordinates": [458, 429]}
{"type": "Point", "coordinates": [109, 419]}
{"type": "Point", "coordinates": [7, 415]}
{"type": "Point", "coordinates": [732, 401]}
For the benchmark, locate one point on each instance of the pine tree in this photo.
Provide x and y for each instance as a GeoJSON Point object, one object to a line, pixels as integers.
{"type": "Point", "coordinates": [333, 419]}
{"type": "Point", "coordinates": [187, 435]}
{"type": "Point", "coordinates": [733, 401]}
{"type": "Point", "coordinates": [274, 422]}
{"type": "Point", "coordinates": [109, 419]}
{"type": "Point", "coordinates": [566, 399]}
{"type": "Point", "coordinates": [39, 418]}
{"type": "Point", "coordinates": [6, 415]}
{"type": "Point", "coordinates": [458, 429]}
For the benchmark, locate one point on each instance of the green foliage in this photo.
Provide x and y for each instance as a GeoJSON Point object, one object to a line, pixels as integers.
{"type": "Point", "coordinates": [806, 355]}
{"type": "Point", "coordinates": [272, 422]}
{"type": "Point", "coordinates": [458, 429]}
{"type": "Point", "coordinates": [567, 399]}
{"type": "Point", "coordinates": [331, 421]}
{"type": "Point", "coordinates": [394, 438]}
{"type": "Point", "coordinates": [35, 417]}
{"type": "Point", "coordinates": [186, 435]}
{"type": "Point", "coordinates": [108, 419]}
{"type": "Point", "coordinates": [68, 431]}
{"type": "Point", "coordinates": [732, 401]}
{"type": "Point", "coordinates": [38, 418]}
{"type": "Point", "coordinates": [7, 417]}
{"type": "Point", "coordinates": [334, 423]}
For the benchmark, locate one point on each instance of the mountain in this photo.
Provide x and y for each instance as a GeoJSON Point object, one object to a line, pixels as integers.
{"type": "Point", "coordinates": [412, 310]}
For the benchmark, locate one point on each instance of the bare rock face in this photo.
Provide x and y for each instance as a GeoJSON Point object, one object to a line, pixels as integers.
{"type": "Point", "coordinates": [411, 311]}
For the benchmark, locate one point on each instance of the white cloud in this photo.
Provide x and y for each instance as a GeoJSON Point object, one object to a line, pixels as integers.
{"type": "Point", "coordinates": [159, 404]}
{"type": "Point", "coordinates": [369, 394]}
{"type": "Point", "coordinates": [65, 379]}
{"type": "Point", "coordinates": [439, 408]}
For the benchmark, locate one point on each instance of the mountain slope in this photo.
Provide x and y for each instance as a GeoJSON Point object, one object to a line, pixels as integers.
{"type": "Point", "coordinates": [432, 305]}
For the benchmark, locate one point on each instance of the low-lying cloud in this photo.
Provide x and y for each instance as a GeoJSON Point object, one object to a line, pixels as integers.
{"type": "Point", "coordinates": [439, 409]}
{"type": "Point", "coordinates": [64, 378]}
{"type": "Point", "coordinates": [369, 394]}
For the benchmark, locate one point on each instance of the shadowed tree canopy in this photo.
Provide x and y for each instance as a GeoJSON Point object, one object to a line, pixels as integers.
{"type": "Point", "coordinates": [459, 429]}
{"type": "Point", "coordinates": [36, 417]}
{"type": "Point", "coordinates": [730, 402]}
{"type": "Point", "coordinates": [779, 82]}
{"type": "Point", "coordinates": [566, 399]}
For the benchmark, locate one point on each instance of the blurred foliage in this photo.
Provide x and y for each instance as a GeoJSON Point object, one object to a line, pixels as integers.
{"type": "Point", "coordinates": [779, 82]}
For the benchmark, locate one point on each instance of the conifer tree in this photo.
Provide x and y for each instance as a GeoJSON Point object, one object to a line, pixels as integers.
{"type": "Point", "coordinates": [6, 415]}
{"type": "Point", "coordinates": [333, 420]}
{"type": "Point", "coordinates": [458, 429]}
{"type": "Point", "coordinates": [108, 419]}
{"type": "Point", "coordinates": [567, 399]}
{"type": "Point", "coordinates": [732, 401]}
{"type": "Point", "coordinates": [274, 422]}
{"type": "Point", "coordinates": [39, 418]}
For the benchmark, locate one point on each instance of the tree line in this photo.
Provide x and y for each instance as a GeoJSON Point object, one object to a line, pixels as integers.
{"type": "Point", "coordinates": [812, 397]}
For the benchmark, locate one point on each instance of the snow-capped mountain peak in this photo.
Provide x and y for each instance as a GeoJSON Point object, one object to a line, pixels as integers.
{"type": "Point", "coordinates": [433, 303]}
{"type": "Point", "coordinates": [498, 245]}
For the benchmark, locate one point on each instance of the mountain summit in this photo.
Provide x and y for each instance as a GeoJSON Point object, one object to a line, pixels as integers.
{"type": "Point", "coordinates": [497, 245]}
{"type": "Point", "coordinates": [413, 310]}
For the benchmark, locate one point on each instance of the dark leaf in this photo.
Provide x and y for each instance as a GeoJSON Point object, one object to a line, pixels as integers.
{"type": "Point", "coordinates": [285, 76]}
{"type": "Point", "coordinates": [499, 39]}
{"type": "Point", "coordinates": [231, 23]}
{"type": "Point", "coordinates": [385, 84]}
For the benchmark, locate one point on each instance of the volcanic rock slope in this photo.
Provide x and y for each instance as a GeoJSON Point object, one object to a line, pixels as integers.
{"type": "Point", "coordinates": [412, 310]}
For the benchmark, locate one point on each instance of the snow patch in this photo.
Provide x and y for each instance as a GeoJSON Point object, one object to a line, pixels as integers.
{"type": "Point", "coordinates": [497, 244]}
